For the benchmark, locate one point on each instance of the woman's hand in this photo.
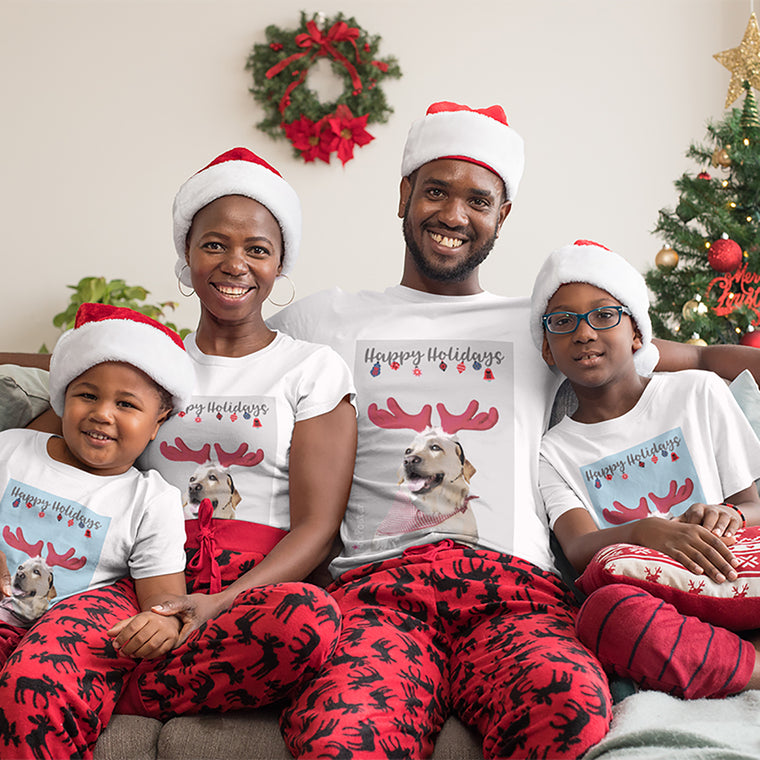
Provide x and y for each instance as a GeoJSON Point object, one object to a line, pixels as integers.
{"type": "Point", "coordinates": [696, 547]}
{"type": "Point", "coordinates": [192, 611]}
{"type": "Point", "coordinates": [146, 635]}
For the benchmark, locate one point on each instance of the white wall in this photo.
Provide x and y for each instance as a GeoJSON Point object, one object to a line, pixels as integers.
{"type": "Point", "coordinates": [108, 105]}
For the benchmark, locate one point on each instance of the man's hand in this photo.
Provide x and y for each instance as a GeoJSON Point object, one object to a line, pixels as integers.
{"type": "Point", "coordinates": [146, 635]}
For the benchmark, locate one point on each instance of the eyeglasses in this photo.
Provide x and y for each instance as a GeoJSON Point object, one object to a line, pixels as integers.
{"type": "Point", "coordinates": [601, 318]}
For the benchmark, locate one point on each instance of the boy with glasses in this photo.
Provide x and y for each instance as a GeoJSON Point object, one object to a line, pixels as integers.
{"type": "Point", "coordinates": [673, 445]}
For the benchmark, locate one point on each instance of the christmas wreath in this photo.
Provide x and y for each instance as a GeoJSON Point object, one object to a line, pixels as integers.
{"type": "Point", "coordinates": [315, 129]}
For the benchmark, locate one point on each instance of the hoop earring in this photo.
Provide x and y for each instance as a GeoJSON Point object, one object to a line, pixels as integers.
{"type": "Point", "coordinates": [179, 284]}
{"type": "Point", "coordinates": [292, 295]}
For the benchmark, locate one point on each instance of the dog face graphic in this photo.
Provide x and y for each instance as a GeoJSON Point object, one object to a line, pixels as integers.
{"type": "Point", "coordinates": [212, 481]}
{"type": "Point", "coordinates": [32, 589]}
{"type": "Point", "coordinates": [436, 472]}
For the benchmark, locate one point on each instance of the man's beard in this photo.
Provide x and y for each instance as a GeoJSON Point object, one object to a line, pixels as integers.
{"type": "Point", "coordinates": [456, 273]}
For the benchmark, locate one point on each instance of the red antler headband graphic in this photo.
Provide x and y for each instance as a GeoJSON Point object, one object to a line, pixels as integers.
{"type": "Point", "coordinates": [395, 418]}
{"type": "Point", "coordinates": [181, 452]}
{"type": "Point", "coordinates": [17, 541]}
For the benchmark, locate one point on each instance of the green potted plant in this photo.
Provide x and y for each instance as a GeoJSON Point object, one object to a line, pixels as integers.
{"type": "Point", "coordinates": [115, 293]}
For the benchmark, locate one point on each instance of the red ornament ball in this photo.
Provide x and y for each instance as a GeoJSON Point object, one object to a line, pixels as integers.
{"type": "Point", "coordinates": [703, 175]}
{"type": "Point", "coordinates": [751, 339]}
{"type": "Point", "coordinates": [725, 255]}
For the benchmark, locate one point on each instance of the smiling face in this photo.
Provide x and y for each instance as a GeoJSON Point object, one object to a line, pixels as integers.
{"type": "Point", "coordinates": [234, 251]}
{"type": "Point", "coordinates": [452, 212]}
{"type": "Point", "coordinates": [587, 357]}
{"type": "Point", "coordinates": [111, 412]}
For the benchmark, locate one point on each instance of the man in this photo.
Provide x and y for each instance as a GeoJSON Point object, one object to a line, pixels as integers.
{"type": "Point", "coordinates": [446, 583]}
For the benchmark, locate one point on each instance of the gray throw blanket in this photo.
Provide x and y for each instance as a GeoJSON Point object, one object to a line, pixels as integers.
{"type": "Point", "coordinates": [650, 725]}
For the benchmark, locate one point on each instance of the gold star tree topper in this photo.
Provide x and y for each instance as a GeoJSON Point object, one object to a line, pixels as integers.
{"type": "Point", "coordinates": [743, 62]}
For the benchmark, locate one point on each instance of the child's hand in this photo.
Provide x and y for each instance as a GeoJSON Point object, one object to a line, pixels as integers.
{"type": "Point", "coordinates": [698, 549]}
{"type": "Point", "coordinates": [145, 635]}
{"type": "Point", "coordinates": [718, 518]}
{"type": "Point", "coordinates": [5, 577]}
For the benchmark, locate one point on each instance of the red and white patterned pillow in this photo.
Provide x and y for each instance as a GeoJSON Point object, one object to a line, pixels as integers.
{"type": "Point", "coordinates": [733, 604]}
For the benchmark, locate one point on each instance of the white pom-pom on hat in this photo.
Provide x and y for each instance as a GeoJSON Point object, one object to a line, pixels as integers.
{"type": "Point", "coordinates": [238, 172]}
{"type": "Point", "coordinates": [592, 263]}
{"type": "Point", "coordinates": [481, 136]}
{"type": "Point", "coordinates": [104, 333]}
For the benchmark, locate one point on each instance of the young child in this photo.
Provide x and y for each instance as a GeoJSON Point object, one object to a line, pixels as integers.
{"type": "Point", "coordinates": [74, 513]}
{"type": "Point", "coordinates": [671, 445]}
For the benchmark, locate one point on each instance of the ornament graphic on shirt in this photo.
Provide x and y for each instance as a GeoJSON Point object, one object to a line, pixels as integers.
{"type": "Point", "coordinates": [434, 474]}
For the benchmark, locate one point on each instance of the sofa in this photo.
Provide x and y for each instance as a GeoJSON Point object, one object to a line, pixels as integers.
{"type": "Point", "coordinates": [646, 726]}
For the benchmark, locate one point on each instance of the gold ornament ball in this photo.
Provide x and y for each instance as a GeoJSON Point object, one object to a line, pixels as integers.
{"type": "Point", "coordinates": [696, 342]}
{"type": "Point", "coordinates": [720, 157]}
{"type": "Point", "coordinates": [666, 259]}
{"type": "Point", "coordinates": [690, 309]}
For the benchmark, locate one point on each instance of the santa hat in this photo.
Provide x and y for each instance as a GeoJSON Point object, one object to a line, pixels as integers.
{"type": "Point", "coordinates": [238, 172]}
{"type": "Point", "coordinates": [481, 136]}
{"type": "Point", "coordinates": [104, 333]}
{"type": "Point", "coordinates": [586, 261]}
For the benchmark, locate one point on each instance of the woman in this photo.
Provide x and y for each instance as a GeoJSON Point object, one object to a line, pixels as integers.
{"type": "Point", "coordinates": [263, 491]}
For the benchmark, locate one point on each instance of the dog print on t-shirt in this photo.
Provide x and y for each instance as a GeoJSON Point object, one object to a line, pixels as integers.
{"type": "Point", "coordinates": [431, 415]}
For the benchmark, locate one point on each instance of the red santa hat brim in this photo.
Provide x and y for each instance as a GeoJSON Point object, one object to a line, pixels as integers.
{"type": "Point", "coordinates": [450, 130]}
{"type": "Point", "coordinates": [105, 333]}
{"type": "Point", "coordinates": [586, 261]}
{"type": "Point", "coordinates": [238, 172]}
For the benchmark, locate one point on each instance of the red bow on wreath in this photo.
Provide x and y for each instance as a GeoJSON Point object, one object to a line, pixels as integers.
{"type": "Point", "coordinates": [323, 45]}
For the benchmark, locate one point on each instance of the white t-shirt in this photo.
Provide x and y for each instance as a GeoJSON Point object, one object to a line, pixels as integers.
{"type": "Point", "coordinates": [90, 529]}
{"type": "Point", "coordinates": [232, 442]}
{"type": "Point", "coordinates": [419, 360]}
{"type": "Point", "coordinates": [685, 441]}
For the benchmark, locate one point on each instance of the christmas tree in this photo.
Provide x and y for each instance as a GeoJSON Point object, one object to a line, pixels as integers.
{"type": "Point", "coordinates": [706, 282]}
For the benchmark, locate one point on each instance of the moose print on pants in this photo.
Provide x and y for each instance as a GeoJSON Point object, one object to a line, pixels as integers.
{"type": "Point", "coordinates": [62, 683]}
{"type": "Point", "coordinates": [447, 629]}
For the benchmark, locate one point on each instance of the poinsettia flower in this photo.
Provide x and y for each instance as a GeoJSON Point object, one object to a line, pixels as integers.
{"type": "Point", "coordinates": [347, 131]}
{"type": "Point", "coordinates": [311, 138]}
